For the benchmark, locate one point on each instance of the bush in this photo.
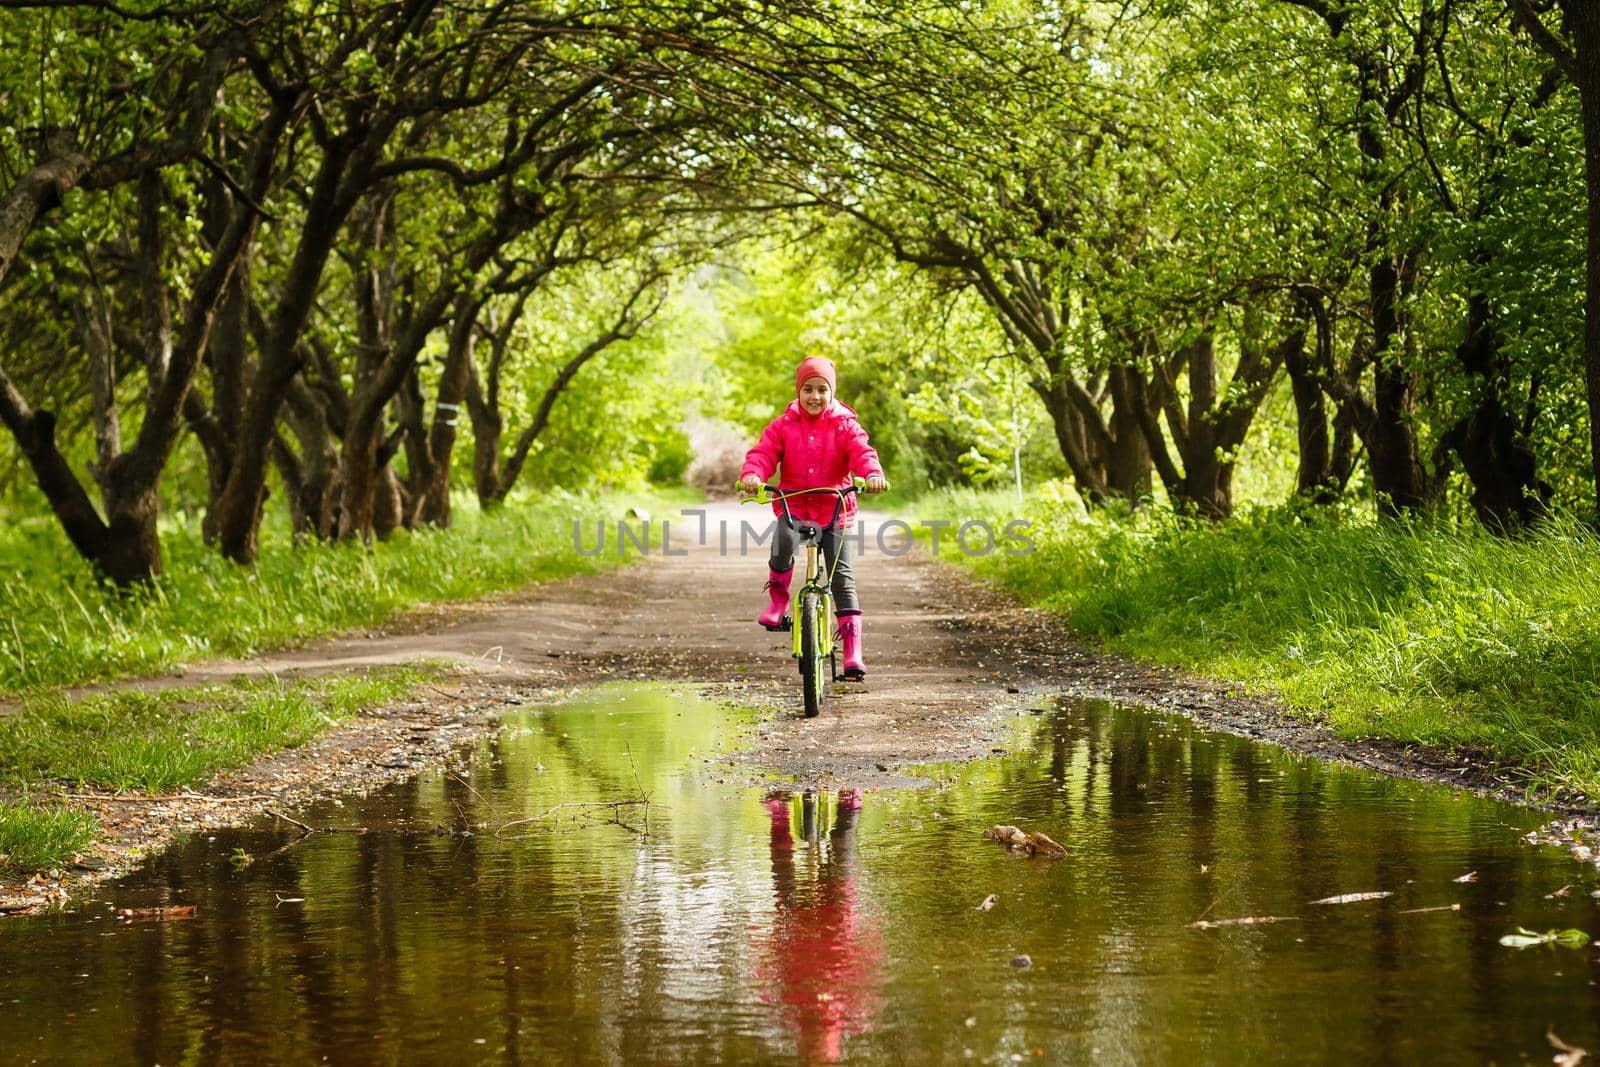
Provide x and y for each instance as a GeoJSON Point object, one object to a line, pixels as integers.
{"type": "Point", "coordinates": [719, 449]}
{"type": "Point", "coordinates": [1419, 631]}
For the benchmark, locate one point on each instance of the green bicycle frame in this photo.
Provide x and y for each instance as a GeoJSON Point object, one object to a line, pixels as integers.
{"type": "Point", "coordinates": [824, 604]}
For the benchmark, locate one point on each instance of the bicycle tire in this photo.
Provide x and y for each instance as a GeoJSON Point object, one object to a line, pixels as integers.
{"type": "Point", "coordinates": [811, 655]}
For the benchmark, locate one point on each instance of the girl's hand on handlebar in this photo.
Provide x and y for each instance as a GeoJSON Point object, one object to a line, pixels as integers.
{"type": "Point", "coordinates": [748, 485]}
{"type": "Point", "coordinates": [877, 484]}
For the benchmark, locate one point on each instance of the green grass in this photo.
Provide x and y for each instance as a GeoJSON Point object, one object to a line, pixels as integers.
{"type": "Point", "coordinates": [60, 626]}
{"type": "Point", "coordinates": [177, 738]}
{"type": "Point", "coordinates": [153, 742]}
{"type": "Point", "coordinates": [32, 838]}
{"type": "Point", "coordinates": [1420, 632]}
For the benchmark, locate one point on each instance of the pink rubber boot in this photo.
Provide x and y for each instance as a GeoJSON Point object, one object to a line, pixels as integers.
{"type": "Point", "coordinates": [850, 636]}
{"type": "Point", "coordinates": [778, 589]}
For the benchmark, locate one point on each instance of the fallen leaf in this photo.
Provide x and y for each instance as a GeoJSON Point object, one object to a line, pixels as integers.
{"type": "Point", "coordinates": [1249, 920]}
{"type": "Point", "coordinates": [1563, 891]}
{"type": "Point", "coordinates": [1041, 845]}
{"type": "Point", "coordinates": [1036, 844]}
{"type": "Point", "coordinates": [1352, 898]}
{"type": "Point", "coordinates": [1470, 876]}
{"type": "Point", "coordinates": [988, 902]}
{"type": "Point", "coordinates": [1566, 1055]}
{"type": "Point", "coordinates": [176, 911]}
{"type": "Point", "coordinates": [1523, 938]}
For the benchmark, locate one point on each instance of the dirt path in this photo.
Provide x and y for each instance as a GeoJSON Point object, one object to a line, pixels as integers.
{"type": "Point", "coordinates": [947, 657]}
{"type": "Point", "coordinates": [948, 661]}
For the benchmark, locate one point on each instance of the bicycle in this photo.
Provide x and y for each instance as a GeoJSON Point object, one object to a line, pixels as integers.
{"type": "Point", "coordinates": [814, 637]}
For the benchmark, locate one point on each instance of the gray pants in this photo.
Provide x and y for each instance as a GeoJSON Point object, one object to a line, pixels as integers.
{"type": "Point", "coordinates": [835, 554]}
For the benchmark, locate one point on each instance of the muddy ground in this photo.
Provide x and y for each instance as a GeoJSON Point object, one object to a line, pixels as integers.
{"type": "Point", "coordinates": [949, 661]}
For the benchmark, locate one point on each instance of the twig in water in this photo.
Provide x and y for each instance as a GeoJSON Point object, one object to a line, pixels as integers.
{"type": "Point", "coordinates": [640, 787]}
{"type": "Point", "coordinates": [453, 776]}
{"type": "Point", "coordinates": [292, 822]}
{"type": "Point", "coordinates": [585, 808]}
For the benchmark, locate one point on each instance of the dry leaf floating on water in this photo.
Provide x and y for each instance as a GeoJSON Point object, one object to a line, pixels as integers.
{"type": "Point", "coordinates": [1035, 844]}
{"type": "Point", "coordinates": [176, 911]}
{"type": "Point", "coordinates": [1566, 1055]}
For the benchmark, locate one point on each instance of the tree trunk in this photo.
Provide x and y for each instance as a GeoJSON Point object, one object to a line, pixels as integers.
{"type": "Point", "coordinates": [1314, 474]}
{"type": "Point", "coordinates": [1314, 479]}
{"type": "Point", "coordinates": [227, 359]}
{"type": "Point", "coordinates": [1129, 465]}
{"type": "Point", "coordinates": [488, 428]}
{"type": "Point", "coordinates": [1209, 429]}
{"type": "Point", "coordinates": [388, 502]}
{"type": "Point", "coordinates": [313, 507]}
{"type": "Point", "coordinates": [434, 507]}
{"type": "Point", "coordinates": [35, 435]}
{"type": "Point", "coordinates": [1507, 492]}
{"type": "Point", "coordinates": [1584, 16]}
{"type": "Point", "coordinates": [1071, 439]}
{"type": "Point", "coordinates": [239, 508]}
{"type": "Point", "coordinates": [1397, 474]}
{"type": "Point", "coordinates": [358, 476]}
{"type": "Point", "coordinates": [36, 192]}
{"type": "Point", "coordinates": [133, 544]}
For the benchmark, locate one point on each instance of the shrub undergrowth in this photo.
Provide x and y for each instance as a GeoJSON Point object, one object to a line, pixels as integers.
{"type": "Point", "coordinates": [1419, 631]}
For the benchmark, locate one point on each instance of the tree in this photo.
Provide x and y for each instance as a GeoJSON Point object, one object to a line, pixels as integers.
{"type": "Point", "coordinates": [1575, 48]}
{"type": "Point", "coordinates": [124, 544]}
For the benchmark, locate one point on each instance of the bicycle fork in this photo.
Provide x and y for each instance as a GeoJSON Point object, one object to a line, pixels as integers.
{"type": "Point", "coordinates": [824, 606]}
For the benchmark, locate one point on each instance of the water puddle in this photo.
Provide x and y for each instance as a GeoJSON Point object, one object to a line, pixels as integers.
{"type": "Point", "coordinates": [518, 913]}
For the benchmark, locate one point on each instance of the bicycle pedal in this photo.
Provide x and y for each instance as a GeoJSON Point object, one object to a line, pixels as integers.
{"type": "Point", "coordinates": [784, 626]}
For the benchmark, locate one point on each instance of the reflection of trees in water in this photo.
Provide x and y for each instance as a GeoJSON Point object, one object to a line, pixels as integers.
{"type": "Point", "coordinates": [1165, 823]}
{"type": "Point", "coordinates": [561, 948]}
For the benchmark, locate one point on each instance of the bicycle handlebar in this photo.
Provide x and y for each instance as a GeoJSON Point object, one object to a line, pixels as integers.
{"type": "Point", "coordinates": [767, 493]}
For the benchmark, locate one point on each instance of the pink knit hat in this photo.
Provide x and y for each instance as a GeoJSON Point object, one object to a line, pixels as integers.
{"type": "Point", "coordinates": [816, 367]}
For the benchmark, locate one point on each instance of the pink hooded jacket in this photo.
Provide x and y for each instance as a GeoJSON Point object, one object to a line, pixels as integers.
{"type": "Point", "coordinates": [815, 451]}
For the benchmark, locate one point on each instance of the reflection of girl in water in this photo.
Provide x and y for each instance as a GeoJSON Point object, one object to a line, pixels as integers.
{"type": "Point", "coordinates": [821, 963]}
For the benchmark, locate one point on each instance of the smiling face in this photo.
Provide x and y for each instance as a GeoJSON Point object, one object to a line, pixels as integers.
{"type": "Point", "coordinates": [815, 395]}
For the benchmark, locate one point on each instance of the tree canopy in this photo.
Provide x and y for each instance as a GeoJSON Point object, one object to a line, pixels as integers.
{"type": "Point", "coordinates": [290, 253]}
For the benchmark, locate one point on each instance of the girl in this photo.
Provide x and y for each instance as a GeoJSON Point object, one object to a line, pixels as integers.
{"type": "Point", "coordinates": [820, 445]}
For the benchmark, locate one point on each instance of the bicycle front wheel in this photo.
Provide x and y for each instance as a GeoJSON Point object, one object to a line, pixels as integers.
{"type": "Point", "coordinates": [811, 661]}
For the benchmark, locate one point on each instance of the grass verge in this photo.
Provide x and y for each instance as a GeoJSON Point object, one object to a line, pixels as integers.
{"type": "Point", "coordinates": [176, 738]}
{"type": "Point", "coordinates": [153, 742]}
{"type": "Point", "coordinates": [33, 838]}
{"type": "Point", "coordinates": [1421, 632]}
{"type": "Point", "coordinates": [60, 626]}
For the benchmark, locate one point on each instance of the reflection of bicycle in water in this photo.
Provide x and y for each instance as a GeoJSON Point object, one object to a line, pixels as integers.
{"type": "Point", "coordinates": [821, 964]}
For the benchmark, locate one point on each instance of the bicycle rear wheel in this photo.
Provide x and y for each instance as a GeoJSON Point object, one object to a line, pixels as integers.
{"type": "Point", "coordinates": [811, 654]}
